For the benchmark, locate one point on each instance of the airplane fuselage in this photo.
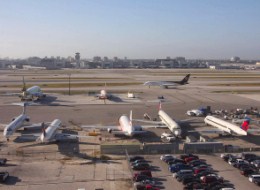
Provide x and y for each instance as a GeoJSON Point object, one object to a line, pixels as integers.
{"type": "Point", "coordinates": [126, 125]}
{"type": "Point", "coordinates": [14, 125]}
{"type": "Point", "coordinates": [50, 132]}
{"type": "Point", "coordinates": [224, 126]}
{"type": "Point", "coordinates": [32, 92]}
{"type": "Point", "coordinates": [170, 123]}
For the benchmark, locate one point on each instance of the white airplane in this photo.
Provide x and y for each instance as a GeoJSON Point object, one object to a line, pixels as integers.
{"type": "Point", "coordinates": [167, 84]}
{"type": "Point", "coordinates": [226, 127]}
{"type": "Point", "coordinates": [31, 93]}
{"type": "Point", "coordinates": [104, 95]}
{"type": "Point", "coordinates": [167, 121]}
{"type": "Point", "coordinates": [18, 122]}
{"type": "Point", "coordinates": [125, 127]}
{"type": "Point", "coordinates": [51, 134]}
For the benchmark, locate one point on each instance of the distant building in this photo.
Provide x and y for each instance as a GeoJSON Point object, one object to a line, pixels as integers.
{"type": "Point", "coordinates": [235, 59]}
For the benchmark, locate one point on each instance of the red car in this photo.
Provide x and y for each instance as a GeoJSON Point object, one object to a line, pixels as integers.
{"type": "Point", "coordinates": [188, 159]}
{"type": "Point", "coordinates": [143, 172]}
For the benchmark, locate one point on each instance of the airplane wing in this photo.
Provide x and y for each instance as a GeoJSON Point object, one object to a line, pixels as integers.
{"type": "Point", "coordinates": [209, 131]}
{"type": "Point", "coordinates": [149, 121]}
{"type": "Point", "coordinates": [100, 127]}
{"type": "Point", "coordinates": [35, 125]}
{"type": "Point", "coordinates": [66, 136]}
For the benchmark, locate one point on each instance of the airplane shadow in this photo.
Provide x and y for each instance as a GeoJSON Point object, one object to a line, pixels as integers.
{"type": "Point", "coordinates": [51, 101]}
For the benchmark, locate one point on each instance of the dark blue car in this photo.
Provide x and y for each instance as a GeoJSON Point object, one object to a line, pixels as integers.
{"type": "Point", "coordinates": [177, 167]}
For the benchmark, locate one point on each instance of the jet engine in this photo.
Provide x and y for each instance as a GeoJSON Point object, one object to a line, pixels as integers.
{"type": "Point", "coordinates": [27, 119]}
{"type": "Point", "coordinates": [109, 130]}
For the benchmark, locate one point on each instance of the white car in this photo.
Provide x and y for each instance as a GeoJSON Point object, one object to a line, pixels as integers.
{"type": "Point", "coordinates": [168, 137]}
{"type": "Point", "coordinates": [166, 156]}
{"type": "Point", "coordinates": [252, 178]}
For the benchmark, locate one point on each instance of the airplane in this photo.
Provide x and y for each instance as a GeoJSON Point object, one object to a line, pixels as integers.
{"type": "Point", "coordinates": [50, 134]}
{"type": "Point", "coordinates": [224, 127]}
{"type": "Point", "coordinates": [29, 94]}
{"type": "Point", "coordinates": [166, 120]}
{"type": "Point", "coordinates": [18, 122]}
{"type": "Point", "coordinates": [104, 95]}
{"type": "Point", "coordinates": [167, 84]}
{"type": "Point", "coordinates": [125, 127]}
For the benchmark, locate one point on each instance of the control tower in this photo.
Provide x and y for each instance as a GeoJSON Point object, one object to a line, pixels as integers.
{"type": "Point", "coordinates": [77, 58]}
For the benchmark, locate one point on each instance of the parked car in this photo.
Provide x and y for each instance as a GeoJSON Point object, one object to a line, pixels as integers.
{"type": "Point", "coordinates": [166, 156]}
{"type": "Point", "coordinates": [182, 172]}
{"type": "Point", "coordinates": [141, 166]}
{"type": "Point", "coordinates": [143, 172]}
{"type": "Point", "coordinates": [188, 179]}
{"type": "Point", "coordinates": [175, 161]}
{"type": "Point", "coordinates": [138, 161]}
{"type": "Point", "coordinates": [203, 173]}
{"type": "Point", "coordinates": [255, 178]}
{"type": "Point", "coordinates": [256, 163]}
{"type": "Point", "coordinates": [3, 176]}
{"type": "Point", "coordinates": [247, 171]}
{"type": "Point", "coordinates": [134, 158]}
{"type": "Point", "coordinates": [183, 156]}
{"type": "Point", "coordinates": [193, 185]}
{"type": "Point", "coordinates": [3, 161]}
{"type": "Point", "coordinates": [189, 159]}
{"type": "Point", "coordinates": [239, 162]}
{"type": "Point", "coordinates": [144, 183]}
{"type": "Point", "coordinates": [211, 178]}
{"type": "Point", "coordinates": [249, 157]}
{"type": "Point", "coordinates": [195, 163]}
{"type": "Point", "coordinates": [141, 178]}
{"type": "Point", "coordinates": [177, 167]}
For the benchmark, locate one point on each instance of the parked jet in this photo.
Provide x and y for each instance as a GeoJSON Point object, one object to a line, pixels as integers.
{"type": "Point", "coordinates": [50, 134]}
{"type": "Point", "coordinates": [166, 120]}
{"type": "Point", "coordinates": [18, 122]}
{"type": "Point", "coordinates": [167, 84]}
{"type": "Point", "coordinates": [125, 127]}
{"type": "Point", "coordinates": [31, 93]}
{"type": "Point", "coordinates": [226, 127]}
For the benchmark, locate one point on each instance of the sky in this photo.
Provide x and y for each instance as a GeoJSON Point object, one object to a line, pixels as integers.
{"type": "Point", "coordinates": [136, 29]}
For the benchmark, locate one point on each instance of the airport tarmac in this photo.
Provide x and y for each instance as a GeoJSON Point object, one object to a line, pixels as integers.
{"type": "Point", "coordinates": [70, 165]}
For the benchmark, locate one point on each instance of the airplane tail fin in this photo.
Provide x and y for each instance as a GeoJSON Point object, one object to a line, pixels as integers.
{"type": "Point", "coordinates": [131, 117]}
{"type": "Point", "coordinates": [43, 129]}
{"type": "Point", "coordinates": [185, 80]}
{"type": "Point", "coordinates": [24, 85]}
{"type": "Point", "coordinates": [160, 105]}
{"type": "Point", "coordinates": [245, 124]}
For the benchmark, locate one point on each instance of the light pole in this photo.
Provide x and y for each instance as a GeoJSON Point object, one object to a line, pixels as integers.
{"type": "Point", "coordinates": [69, 84]}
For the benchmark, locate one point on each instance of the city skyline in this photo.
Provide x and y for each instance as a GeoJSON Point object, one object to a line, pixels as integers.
{"type": "Point", "coordinates": [203, 29]}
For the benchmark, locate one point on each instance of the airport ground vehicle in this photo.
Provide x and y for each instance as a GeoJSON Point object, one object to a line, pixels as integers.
{"type": "Point", "coordinates": [3, 176]}
{"type": "Point", "coordinates": [168, 137]}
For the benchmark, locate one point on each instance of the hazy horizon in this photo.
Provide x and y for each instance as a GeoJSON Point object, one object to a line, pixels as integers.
{"type": "Point", "coordinates": [136, 29]}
